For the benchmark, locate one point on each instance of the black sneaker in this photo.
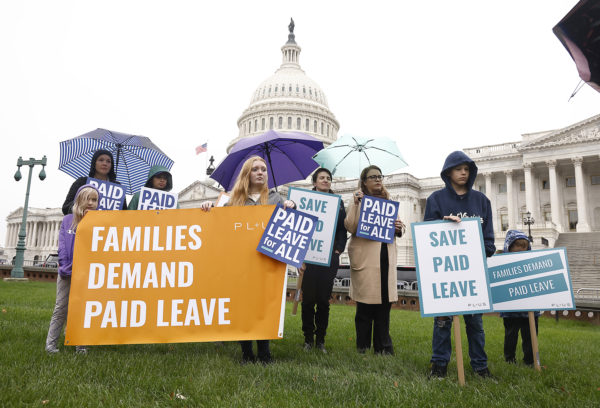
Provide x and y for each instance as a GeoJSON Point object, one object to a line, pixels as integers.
{"type": "Point", "coordinates": [438, 371]}
{"type": "Point", "coordinates": [248, 359]}
{"type": "Point", "coordinates": [511, 360]}
{"type": "Point", "coordinates": [321, 346]}
{"type": "Point", "coordinates": [485, 373]}
{"type": "Point", "coordinates": [266, 359]}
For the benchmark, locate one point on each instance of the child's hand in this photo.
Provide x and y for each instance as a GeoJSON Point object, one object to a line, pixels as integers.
{"type": "Point", "coordinates": [206, 206]}
{"type": "Point", "coordinates": [454, 218]}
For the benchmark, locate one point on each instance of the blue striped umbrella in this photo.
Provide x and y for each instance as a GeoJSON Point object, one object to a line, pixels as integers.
{"type": "Point", "coordinates": [134, 155]}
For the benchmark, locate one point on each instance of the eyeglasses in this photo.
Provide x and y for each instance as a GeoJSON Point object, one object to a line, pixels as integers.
{"type": "Point", "coordinates": [378, 177]}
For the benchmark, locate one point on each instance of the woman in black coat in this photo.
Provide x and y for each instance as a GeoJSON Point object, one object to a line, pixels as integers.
{"type": "Point", "coordinates": [317, 280]}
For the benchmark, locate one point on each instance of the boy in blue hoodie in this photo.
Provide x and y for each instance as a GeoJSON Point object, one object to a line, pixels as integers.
{"type": "Point", "coordinates": [456, 201]}
{"type": "Point", "coordinates": [517, 241]}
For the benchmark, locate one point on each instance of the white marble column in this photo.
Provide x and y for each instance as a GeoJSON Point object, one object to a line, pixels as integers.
{"type": "Point", "coordinates": [491, 197]}
{"type": "Point", "coordinates": [510, 200]}
{"type": "Point", "coordinates": [34, 234]}
{"type": "Point", "coordinates": [9, 238]}
{"type": "Point", "coordinates": [530, 203]}
{"type": "Point", "coordinates": [583, 224]}
{"type": "Point", "coordinates": [43, 237]}
{"type": "Point", "coordinates": [15, 234]}
{"type": "Point", "coordinates": [54, 235]}
{"type": "Point", "coordinates": [57, 228]}
{"type": "Point", "coordinates": [555, 207]}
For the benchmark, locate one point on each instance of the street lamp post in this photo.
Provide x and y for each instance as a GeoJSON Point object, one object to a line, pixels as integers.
{"type": "Point", "coordinates": [529, 221]}
{"type": "Point", "coordinates": [17, 270]}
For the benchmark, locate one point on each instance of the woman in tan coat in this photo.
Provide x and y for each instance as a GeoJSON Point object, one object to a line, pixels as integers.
{"type": "Point", "coordinates": [373, 271]}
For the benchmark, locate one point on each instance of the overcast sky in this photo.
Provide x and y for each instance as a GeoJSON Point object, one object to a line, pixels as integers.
{"type": "Point", "coordinates": [434, 75]}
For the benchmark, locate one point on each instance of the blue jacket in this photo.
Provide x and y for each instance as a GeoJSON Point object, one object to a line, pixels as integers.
{"type": "Point", "coordinates": [472, 204]}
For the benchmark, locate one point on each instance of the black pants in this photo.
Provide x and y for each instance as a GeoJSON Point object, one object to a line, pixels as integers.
{"type": "Point", "coordinates": [512, 326]}
{"type": "Point", "coordinates": [262, 348]}
{"type": "Point", "coordinates": [317, 284]}
{"type": "Point", "coordinates": [375, 318]}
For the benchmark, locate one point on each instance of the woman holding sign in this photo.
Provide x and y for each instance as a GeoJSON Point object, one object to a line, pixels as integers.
{"type": "Point", "coordinates": [101, 168]}
{"type": "Point", "coordinates": [317, 280]}
{"type": "Point", "coordinates": [373, 271]}
{"type": "Point", "coordinates": [251, 188]}
{"type": "Point", "coordinates": [159, 178]}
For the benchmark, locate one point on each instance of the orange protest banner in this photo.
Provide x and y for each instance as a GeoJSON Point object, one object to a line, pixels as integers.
{"type": "Point", "coordinates": [173, 276]}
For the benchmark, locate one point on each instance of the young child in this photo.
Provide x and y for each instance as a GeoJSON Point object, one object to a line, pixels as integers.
{"type": "Point", "coordinates": [456, 201]}
{"type": "Point", "coordinates": [517, 241]}
{"type": "Point", "coordinates": [86, 199]}
{"type": "Point", "coordinates": [159, 178]}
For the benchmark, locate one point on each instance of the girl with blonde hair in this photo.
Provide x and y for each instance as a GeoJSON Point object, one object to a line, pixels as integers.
{"type": "Point", "coordinates": [86, 199]}
{"type": "Point", "coordinates": [251, 188]}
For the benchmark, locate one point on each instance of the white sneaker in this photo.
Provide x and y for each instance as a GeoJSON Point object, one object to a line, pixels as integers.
{"type": "Point", "coordinates": [52, 350]}
{"type": "Point", "coordinates": [80, 350]}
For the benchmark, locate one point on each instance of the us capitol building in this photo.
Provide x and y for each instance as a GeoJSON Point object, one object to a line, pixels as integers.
{"type": "Point", "coordinates": [555, 174]}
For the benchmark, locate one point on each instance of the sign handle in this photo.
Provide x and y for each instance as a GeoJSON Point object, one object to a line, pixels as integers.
{"type": "Point", "coordinates": [459, 355]}
{"type": "Point", "coordinates": [298, 290]}
{"type": "Point", "coordinates": [534, 342]}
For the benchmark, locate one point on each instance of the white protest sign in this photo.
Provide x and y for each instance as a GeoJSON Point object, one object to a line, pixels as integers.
{"type": "Point", "coordinates": [152, 199]}
{"type": "Point", "coordinates": [531, 280]}
{"type": "Point", "coordinates": [325, 207]}
{"type": "Point", "coordinates": [451, 267]}
{"type": "Point", "coordinates": [222, 199]}
{"type": "Point", "coordinates": [112, 195]}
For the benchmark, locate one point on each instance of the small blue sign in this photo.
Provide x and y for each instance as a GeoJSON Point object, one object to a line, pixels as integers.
{"type": "Point", "coordinates": [112, 194]}
{"type": "Point", "coordinates": [288, 236]}
{"type": "Point", "coordinates": [377, 218]}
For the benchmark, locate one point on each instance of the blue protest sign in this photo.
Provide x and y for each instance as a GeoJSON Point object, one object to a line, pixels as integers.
{"type": "Point", "coordinates": [531, 280]}
{"type": "Point", "coordinates": [112, 194]}
{"type": "Point", "coordinates": [152, 199]}
{"type": "Point", "coordinates": [325, 207]}
{"type": "Point", "coordinates": [451, 267]}
{"type": "Point", "coordinates": [288, 236]}
{"type": "Point", "coordinates": [377, 217]}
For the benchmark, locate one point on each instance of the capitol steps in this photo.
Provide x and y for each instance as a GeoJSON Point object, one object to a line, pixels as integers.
{"type": "Point", "coordinates": [583, 252]}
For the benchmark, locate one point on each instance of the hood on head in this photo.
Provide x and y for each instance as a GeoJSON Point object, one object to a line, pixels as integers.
{"type": "Point", "coordinates": [512, 236]}
{"type": "Point", "coordinates": [112, 176]}
{"type": "Point", "coordinates": [157, 169]}
{"type": "Point", "coordinates": [453, 160]}
{"type": "Point", "coordinates": [87, 186]}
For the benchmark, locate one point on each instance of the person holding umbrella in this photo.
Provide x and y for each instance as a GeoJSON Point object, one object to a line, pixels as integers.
{"type": "Point", "coordinates": [372, 271]}
{"type": "Point", "coordinates": [101, 168]}
{"type": "Point", "coordinates": [251, 188]}
{"type": "Point", "coordinates": [317, 280]}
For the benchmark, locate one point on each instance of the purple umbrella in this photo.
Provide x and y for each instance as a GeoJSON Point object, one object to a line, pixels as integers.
{"type": "Point", "coordinates": [288, 156]}
{"type": "Point", "coordinates": [579, 32]}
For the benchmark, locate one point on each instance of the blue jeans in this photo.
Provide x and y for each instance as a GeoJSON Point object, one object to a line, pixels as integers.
{"type": "Point", "coordinates": [442, 345]}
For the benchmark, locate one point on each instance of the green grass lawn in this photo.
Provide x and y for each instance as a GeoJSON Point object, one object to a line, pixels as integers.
{"type": "Point", "coordinates": [208, 375]}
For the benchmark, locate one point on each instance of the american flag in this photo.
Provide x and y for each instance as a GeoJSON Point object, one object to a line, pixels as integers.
{"type": "Point", "coordinates": [202, 148]}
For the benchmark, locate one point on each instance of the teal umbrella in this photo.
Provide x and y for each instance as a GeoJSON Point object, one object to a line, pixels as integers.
{"type": "Point", "coordinates": [350, 154]}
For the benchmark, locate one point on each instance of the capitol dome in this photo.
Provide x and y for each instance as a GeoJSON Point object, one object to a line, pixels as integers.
{"type": "Point", "coordinates": [289, 100]}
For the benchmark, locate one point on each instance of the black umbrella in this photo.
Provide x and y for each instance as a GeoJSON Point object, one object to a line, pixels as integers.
{"type": "Point", "coordinates": [579, 32]}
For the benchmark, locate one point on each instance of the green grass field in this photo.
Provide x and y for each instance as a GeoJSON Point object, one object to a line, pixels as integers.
{"type": "Point", "coordinates": [210, 375]}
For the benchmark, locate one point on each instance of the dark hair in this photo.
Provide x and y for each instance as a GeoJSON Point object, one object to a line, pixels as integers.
{"type": "Point", "coordinates": [363, 179]}
{"type": "Point", "coordinates": [316, 174]}
{"type": "Point", "coordinates": [111, 174]}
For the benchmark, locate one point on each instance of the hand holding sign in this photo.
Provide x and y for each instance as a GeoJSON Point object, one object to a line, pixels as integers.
{"type": "Point", "coordinates": [287, 236]}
